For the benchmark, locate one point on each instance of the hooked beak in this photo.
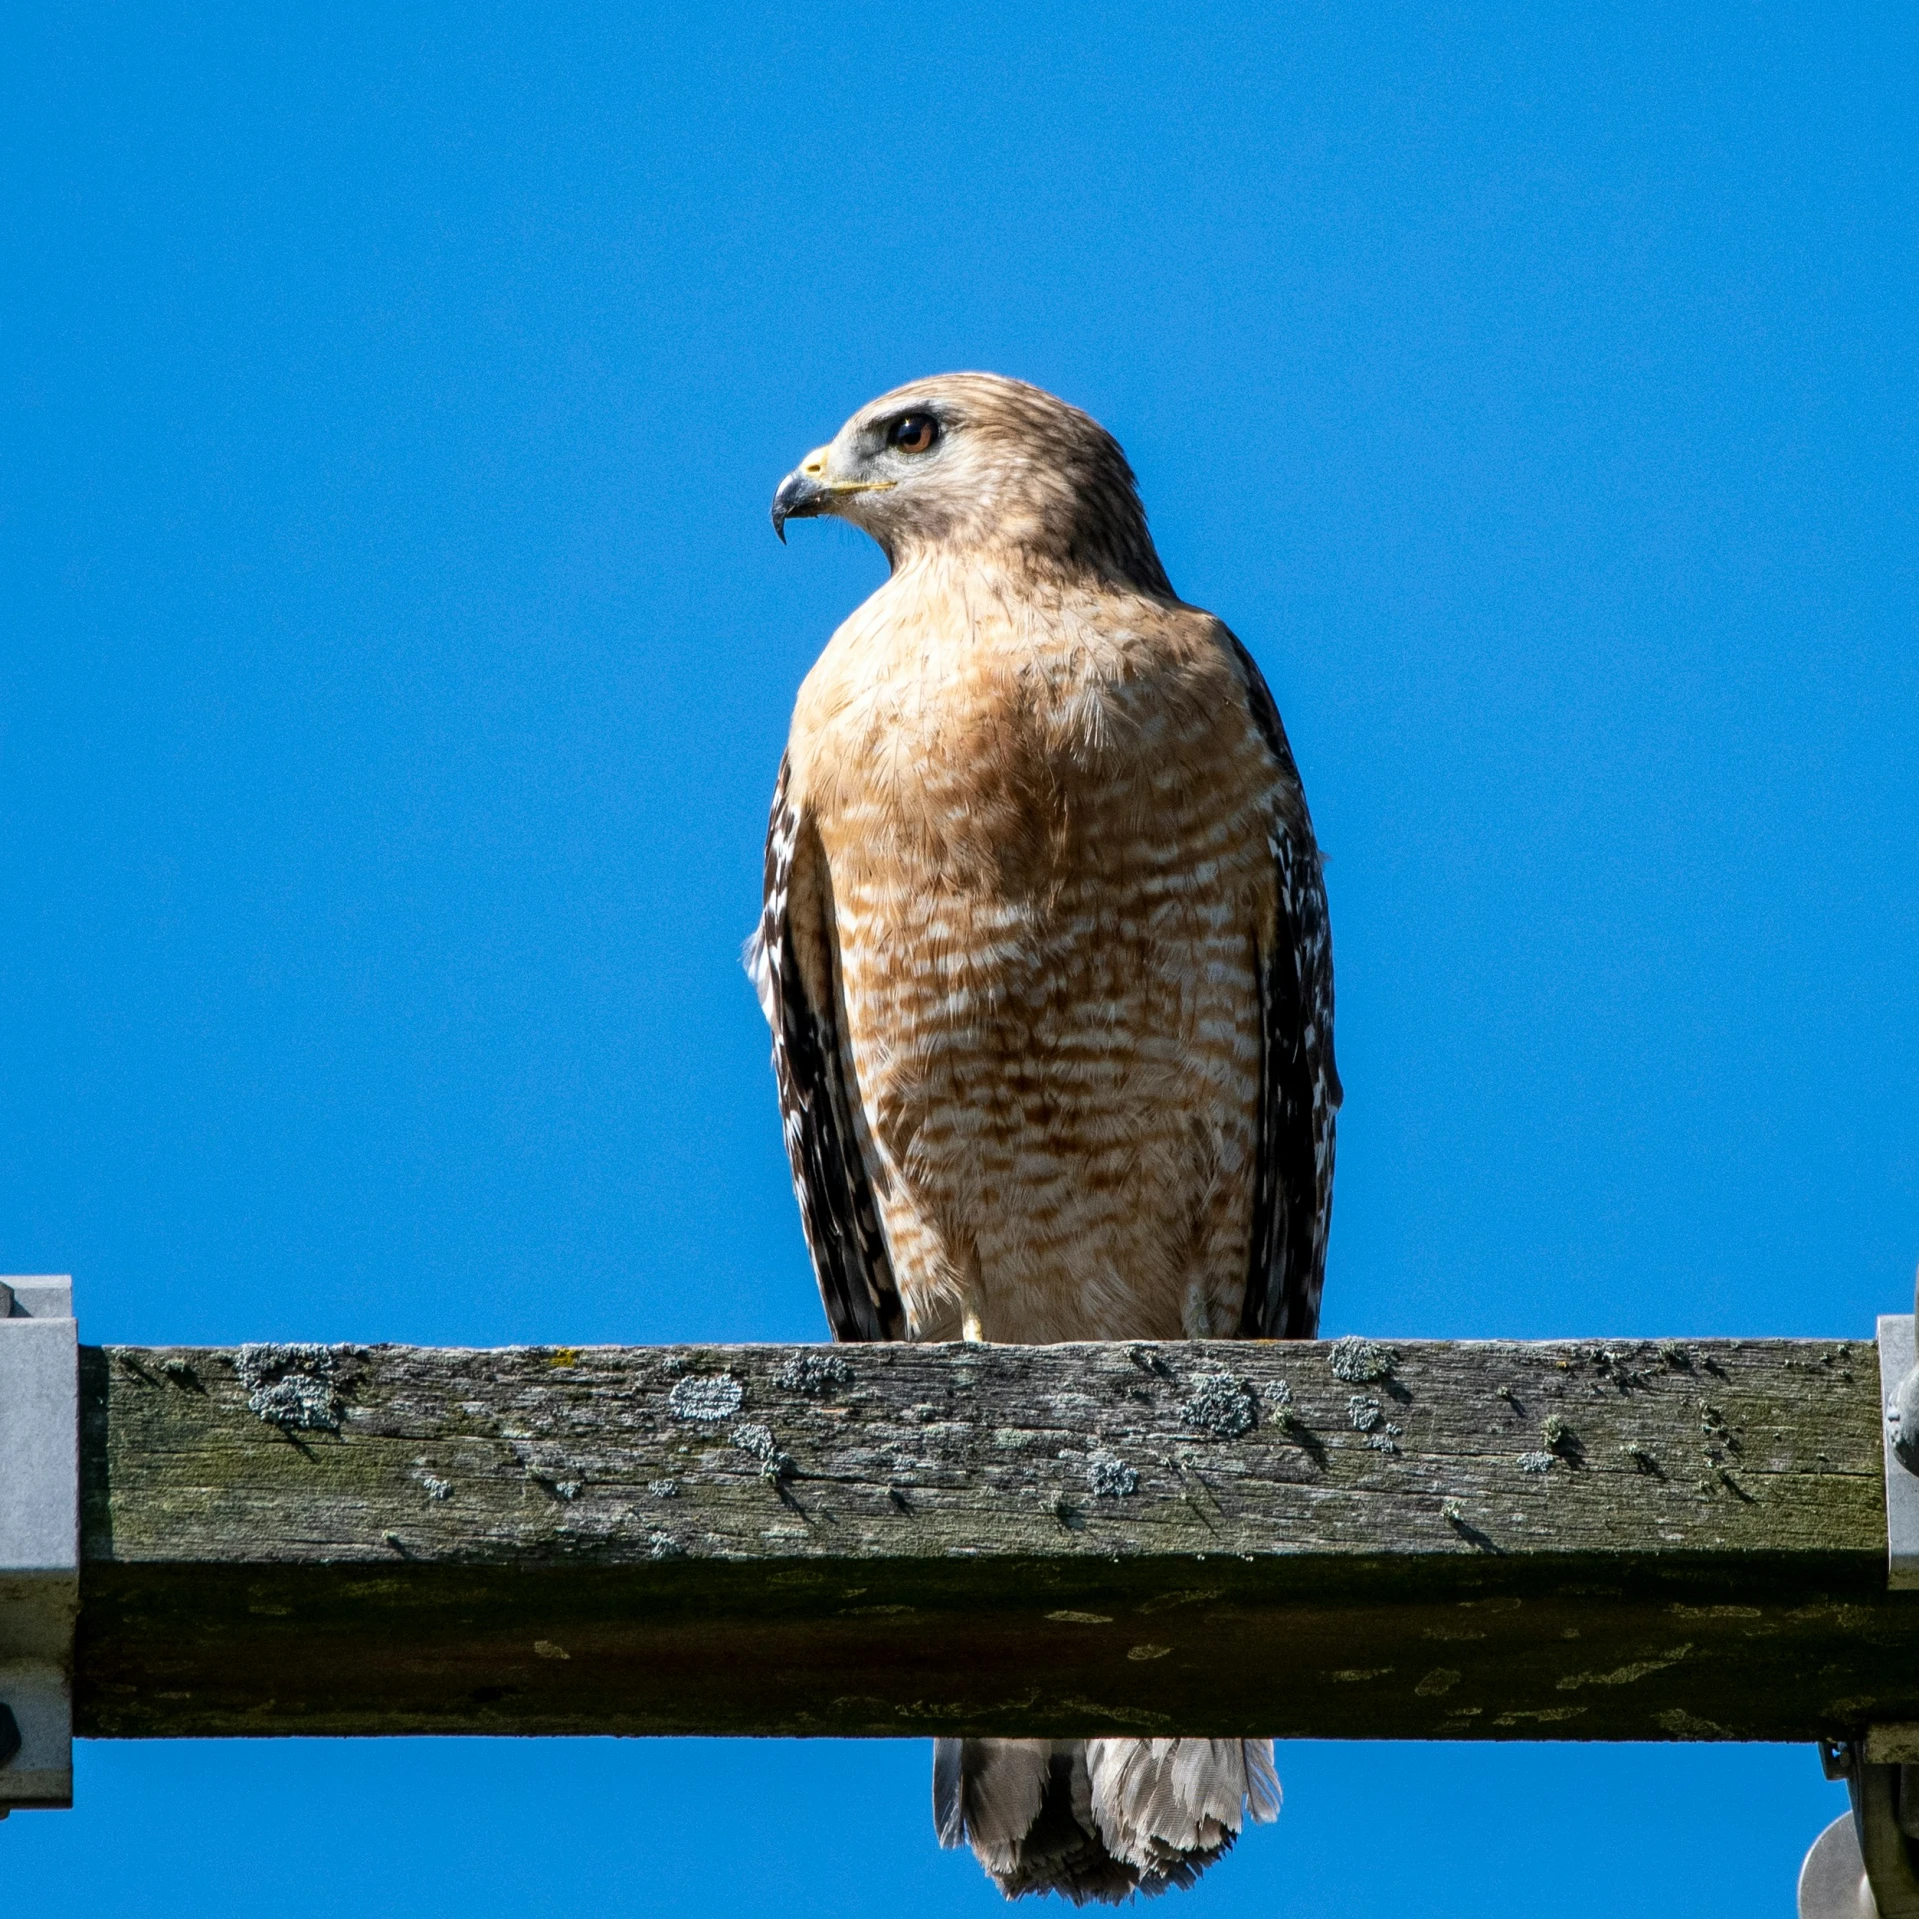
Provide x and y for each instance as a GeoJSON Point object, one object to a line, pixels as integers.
{"type": "Point", "coordinates": [806, 492]}
{"type": "Point", "coordinates": [801, 496]}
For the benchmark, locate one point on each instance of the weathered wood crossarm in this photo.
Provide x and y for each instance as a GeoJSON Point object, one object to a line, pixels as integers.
{"type": "Point", "coordinates": [1586, 1540]}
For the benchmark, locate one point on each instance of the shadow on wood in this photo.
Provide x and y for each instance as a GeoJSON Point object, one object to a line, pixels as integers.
{"type": "Point", "coordinates": [1576, 1540]}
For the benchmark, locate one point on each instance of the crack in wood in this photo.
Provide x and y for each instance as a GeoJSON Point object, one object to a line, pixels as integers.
{"type": "Point", "coordinates": [690, 1525]}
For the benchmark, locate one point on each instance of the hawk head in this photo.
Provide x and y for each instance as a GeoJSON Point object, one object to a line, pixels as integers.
{"type": "Point", "coordinates": [974, 462]}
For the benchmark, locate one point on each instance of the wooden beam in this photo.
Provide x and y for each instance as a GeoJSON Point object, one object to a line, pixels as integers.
{"type": "Point", "coordinates": [1581, 1540]}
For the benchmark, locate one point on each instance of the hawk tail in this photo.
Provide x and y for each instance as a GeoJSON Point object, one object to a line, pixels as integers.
{"type": "Point", "coordinates": [1099, 1819]}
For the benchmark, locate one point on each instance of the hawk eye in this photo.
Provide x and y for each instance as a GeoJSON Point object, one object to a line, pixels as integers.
{"type": "Point", "coordinates": [913, 433]}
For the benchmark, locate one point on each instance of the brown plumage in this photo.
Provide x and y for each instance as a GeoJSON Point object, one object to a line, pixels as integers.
{"type": "Point", "coordinates": [1045, 952]}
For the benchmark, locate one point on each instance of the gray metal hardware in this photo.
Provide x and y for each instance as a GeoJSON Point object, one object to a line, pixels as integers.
{"type": "Point", "coordinates": [1865, 1865]}
{"type": "Point", "coordinates": [1899, 1396]}
{"type": "Point", "coordinates": [1832, 1882]}
{"type": "Point", "coordinates": [39, 1540]}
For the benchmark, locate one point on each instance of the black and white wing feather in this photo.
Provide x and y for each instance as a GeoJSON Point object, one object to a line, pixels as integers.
{"type": "Point", "coordinates": [1299, 1082]}
{"type": "Point", "coordinates": [837, 1213]}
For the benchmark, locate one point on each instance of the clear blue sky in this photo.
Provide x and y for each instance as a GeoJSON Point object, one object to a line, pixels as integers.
{"type": "Point", "coordinates": [395, 657]}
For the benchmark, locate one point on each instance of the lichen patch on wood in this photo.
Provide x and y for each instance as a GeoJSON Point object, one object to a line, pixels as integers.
{"type": "Point", "coordinates": [1687, 1540]}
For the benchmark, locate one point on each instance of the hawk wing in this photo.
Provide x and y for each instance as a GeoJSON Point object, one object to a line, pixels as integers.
{"type": "Point", "coordinates": [837, 1213]}
{"type": "Point", "coordinates": [1299, 1082]}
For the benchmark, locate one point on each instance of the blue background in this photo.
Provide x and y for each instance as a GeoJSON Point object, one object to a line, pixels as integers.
{"type": "Point", "coordinates": [395, 658]}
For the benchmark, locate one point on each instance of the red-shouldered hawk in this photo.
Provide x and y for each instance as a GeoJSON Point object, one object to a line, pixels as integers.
{"type": "Point", "coordinates": [1045, 952]}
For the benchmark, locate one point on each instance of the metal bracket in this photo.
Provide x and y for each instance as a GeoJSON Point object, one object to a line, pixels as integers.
{"type": "Point", "coordinates": [1899, 1397]}
{"type": "Point", "coordinates": [39, 1540]}
{"type": "Point", "coordinates": [1865, 1865]}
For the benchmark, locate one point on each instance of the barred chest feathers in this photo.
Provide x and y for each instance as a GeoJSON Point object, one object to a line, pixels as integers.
{"type": "Point", "coordinates": [1044, 826]}
{"type": "Point", "coordinates": [1045, 952]}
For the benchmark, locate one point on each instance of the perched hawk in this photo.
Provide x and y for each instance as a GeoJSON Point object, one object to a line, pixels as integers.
{"type": "Point", "coordinates": [1045, 954]}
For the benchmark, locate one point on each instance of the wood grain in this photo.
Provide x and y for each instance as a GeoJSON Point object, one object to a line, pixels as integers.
{"type": "Point", "coordinates": [1628, 1540]}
